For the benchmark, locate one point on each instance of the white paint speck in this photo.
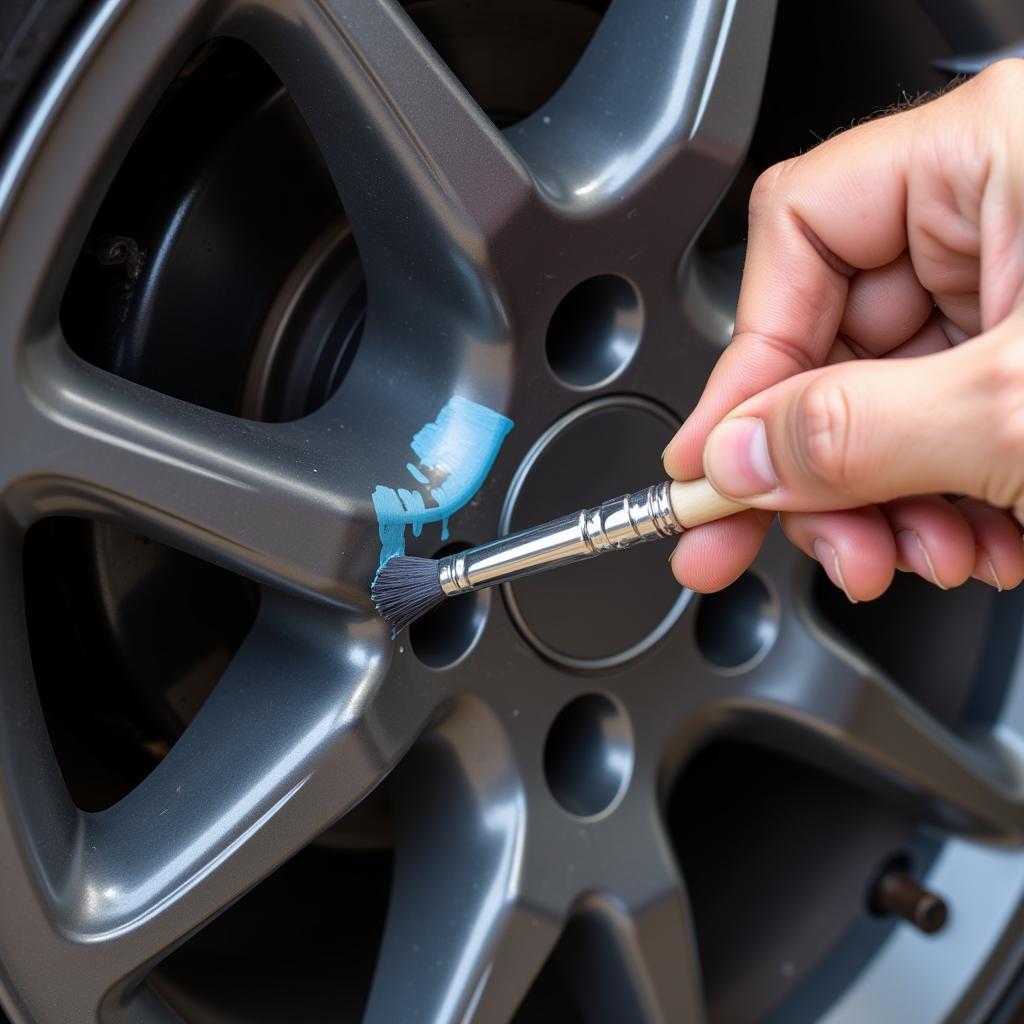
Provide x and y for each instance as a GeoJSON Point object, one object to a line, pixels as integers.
{"type": "Point", "coordinates": [546, 119]}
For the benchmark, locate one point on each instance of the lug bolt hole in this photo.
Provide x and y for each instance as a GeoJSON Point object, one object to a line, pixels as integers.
{"type": "Point", "coordinates": [594, 331]}
{"type": "Point", "coordinates": [447, 633]}
{"type": "Point", "coordinates": [738, 624]}
{"type": "Point", "coordinates": [588, 756]}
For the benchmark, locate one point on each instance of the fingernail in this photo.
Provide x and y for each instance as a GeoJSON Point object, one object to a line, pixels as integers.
{"type": "Point", "coordinates": [829, 558]}
{"type": "Point", "coordinates": [985, 571]}
{"type": "Point", "coordinates": [992, 573]}
{"type": "Point", "coordinates": [663, 450]}
{"type": "Point", "coordinates": [913, 553]}
{"type": "Point", "coordinates": [736, 458]}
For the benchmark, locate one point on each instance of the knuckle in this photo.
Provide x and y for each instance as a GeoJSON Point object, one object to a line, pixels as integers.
{"type": "Point", "coordinates": [1002, 388]}
{"type": "Point", "coordinates": [1005, 384]}
{"type": "Point", "coordinates": [1002, 78]}
{"type": "Point", "coordinates": [823, 433]}
{"type": "Point", "coordinates": [767, 188]}
{"type": "Point", "coordinates": [992, 139]}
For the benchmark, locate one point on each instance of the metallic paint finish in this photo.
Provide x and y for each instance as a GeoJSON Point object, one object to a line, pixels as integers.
{"type": "Point", "coordinates": [469, 238]}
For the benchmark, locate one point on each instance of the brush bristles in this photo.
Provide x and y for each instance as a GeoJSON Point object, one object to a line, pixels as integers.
{"type": "Point", "coordinates": [405, 589]}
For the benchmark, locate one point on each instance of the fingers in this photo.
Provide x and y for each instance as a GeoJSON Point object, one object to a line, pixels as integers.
{"type": "Point", "coordinates": [715, 555]}
{"type": "Point", "coordinates": [848, 247]}
{"type": "Point", "coordinates": [870, 431]}
{"type": "Point", "coordinates": [844, 436]}
{"type": "Point", "coordinates": [938, 181]}
{"type": "Point", "coordinates": [795, 286]}
{"type": "Point", "coordinates": [932, 539]}
{"type": "Point", "coordinates": [859, 549]}
{"type": "Point", "coordinates": [965, 209]}
{"type": "Point", "coordinates": [942, 542]}
{"type": "Point", "coordinates": [999, 550]}
{"type": "Point", "coordinates": [886, 306]}
{"type": "Point", "coordinates": [855, 548]}
{"type": "Point", "coordinates": [934, 336]}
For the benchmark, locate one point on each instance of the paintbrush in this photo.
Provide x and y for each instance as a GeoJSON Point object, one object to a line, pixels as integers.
{"type": "Point", "coordinates": [406, 588]}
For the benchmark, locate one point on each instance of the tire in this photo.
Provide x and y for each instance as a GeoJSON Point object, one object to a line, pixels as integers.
{"type": "Point", "coordinates": [28, 33]}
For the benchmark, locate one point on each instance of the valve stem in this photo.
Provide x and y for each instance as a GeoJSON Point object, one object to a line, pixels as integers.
{"type": "Point", "coordinates": [896, 893]}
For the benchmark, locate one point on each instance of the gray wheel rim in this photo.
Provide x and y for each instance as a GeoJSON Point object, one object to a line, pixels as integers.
{"type": "Point", "coordinates": [469, 239]}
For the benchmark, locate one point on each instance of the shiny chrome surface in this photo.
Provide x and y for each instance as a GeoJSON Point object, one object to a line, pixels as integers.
{"type": "Point", "coordinates": [614, 525]}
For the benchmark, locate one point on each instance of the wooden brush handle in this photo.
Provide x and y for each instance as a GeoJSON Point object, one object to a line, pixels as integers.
{"type": "Point", "coordinates": [696, 502]}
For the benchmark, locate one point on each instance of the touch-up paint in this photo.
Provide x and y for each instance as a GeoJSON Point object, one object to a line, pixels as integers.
{"type": "Point", "coordinates": [455, 453]}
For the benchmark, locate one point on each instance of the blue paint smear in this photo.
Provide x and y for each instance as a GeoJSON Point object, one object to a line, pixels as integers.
{"type": "Point", "coordinates": [455, 452]}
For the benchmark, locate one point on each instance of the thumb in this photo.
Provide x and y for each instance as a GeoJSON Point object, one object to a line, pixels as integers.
{"type": "Point", "coordinates": [869, 431]}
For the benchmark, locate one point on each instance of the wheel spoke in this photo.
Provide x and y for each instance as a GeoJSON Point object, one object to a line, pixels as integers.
{"type": "Point", "coordinates": [296, 733]}
{"type": "Point", "coordinates": [427, 182]}
{"type": "Point", "coordinates": [665, 93]}
{"type": "Point", "coordinates": [638, 963]}
{"type": "Point", "coordinates": [839, 711]}
{"type": "Point", "coordinates": [37, 819]}
{"type": "Point", "coordinates": [285, 503]}
{"type": "Point", "coordinates": [459, 944]}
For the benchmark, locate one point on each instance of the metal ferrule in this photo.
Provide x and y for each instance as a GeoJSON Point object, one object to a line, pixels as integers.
{"type": "Point", "coordinates": [620, 523]}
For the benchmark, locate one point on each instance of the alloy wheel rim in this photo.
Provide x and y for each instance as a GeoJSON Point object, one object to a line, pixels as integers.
{"type": "Point", "coordinates": [318, 706]}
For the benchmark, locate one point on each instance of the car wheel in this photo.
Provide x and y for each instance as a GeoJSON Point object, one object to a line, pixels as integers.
{"type": "Point", "coordinates": [277, 278]}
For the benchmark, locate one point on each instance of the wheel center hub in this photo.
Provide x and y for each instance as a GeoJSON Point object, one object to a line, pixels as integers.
{"type": "Point", "coordinates": [606, 611]}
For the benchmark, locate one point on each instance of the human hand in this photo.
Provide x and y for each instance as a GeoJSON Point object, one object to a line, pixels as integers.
{"type": "Point", "coordinates": [878, 357]}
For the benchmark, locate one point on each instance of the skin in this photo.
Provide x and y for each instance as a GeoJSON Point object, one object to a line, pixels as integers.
{"type": "Point", "coordinates": [873, 392]}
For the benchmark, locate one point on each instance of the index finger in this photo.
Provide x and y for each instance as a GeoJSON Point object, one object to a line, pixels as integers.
{"type": "Point", "coordinates": [814, 221]}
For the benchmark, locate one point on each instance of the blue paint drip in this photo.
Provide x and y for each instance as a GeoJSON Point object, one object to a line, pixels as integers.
{"type": "Point", "coordinates": [456, 452]}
